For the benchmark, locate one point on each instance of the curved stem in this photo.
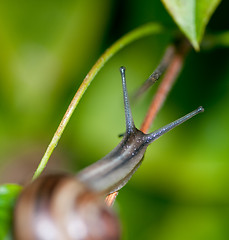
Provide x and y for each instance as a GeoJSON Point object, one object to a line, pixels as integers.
{"type": "Point", "coordinates": [145, 30]}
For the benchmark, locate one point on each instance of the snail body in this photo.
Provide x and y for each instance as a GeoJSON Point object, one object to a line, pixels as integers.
{"type": "Point", "coordinates": [114, 170]}
{"type": "Point", "coordinates": [64, 207]}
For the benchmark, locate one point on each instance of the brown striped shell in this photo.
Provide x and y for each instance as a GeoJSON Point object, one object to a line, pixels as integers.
{"type": "Point", "coordinates": [59, 207]}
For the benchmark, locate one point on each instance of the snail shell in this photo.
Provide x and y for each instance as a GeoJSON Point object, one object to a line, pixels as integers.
{"type": "Point", "coordinates": [59, 207]}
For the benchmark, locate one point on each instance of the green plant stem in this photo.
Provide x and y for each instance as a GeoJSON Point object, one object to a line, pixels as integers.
{"type": "Point", "coordinates": [215, 40]}
{"type": "Point", "coordinates": [145, 30]}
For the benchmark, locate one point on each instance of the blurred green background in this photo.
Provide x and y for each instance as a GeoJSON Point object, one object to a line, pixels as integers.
{"type": "Point", "coordinates": [47, 48]}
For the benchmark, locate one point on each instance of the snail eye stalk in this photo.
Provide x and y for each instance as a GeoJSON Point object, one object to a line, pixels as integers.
{"type": "Point", "coordinates": [156, 134]}
{"type": "Point", "coordinates": [128, 115]}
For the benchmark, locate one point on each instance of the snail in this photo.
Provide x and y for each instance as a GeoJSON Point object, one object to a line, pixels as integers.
{"type": "Point", "coordinates": [70, 207]}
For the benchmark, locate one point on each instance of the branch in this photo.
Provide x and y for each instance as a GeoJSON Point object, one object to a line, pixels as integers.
{"type": "Point", "coordinates": [174, 68]}
{"type": "Point", "coordinates": [166, 60]}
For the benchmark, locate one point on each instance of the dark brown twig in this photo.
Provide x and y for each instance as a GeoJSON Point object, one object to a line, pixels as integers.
{"type": "Point", "coordinates": [174, 68]}
{"type": "Point", "coordinates": [166, 59]}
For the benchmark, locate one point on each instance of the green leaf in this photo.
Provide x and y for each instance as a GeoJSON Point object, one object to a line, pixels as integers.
{"type": "Point", "coordinates": [8, 196]}
{"type": "Point", "coordinates": [191, 16]}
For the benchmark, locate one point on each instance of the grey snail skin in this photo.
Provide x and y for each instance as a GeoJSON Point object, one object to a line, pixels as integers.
{"type": "Point", "coordinates": [70, 207]}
